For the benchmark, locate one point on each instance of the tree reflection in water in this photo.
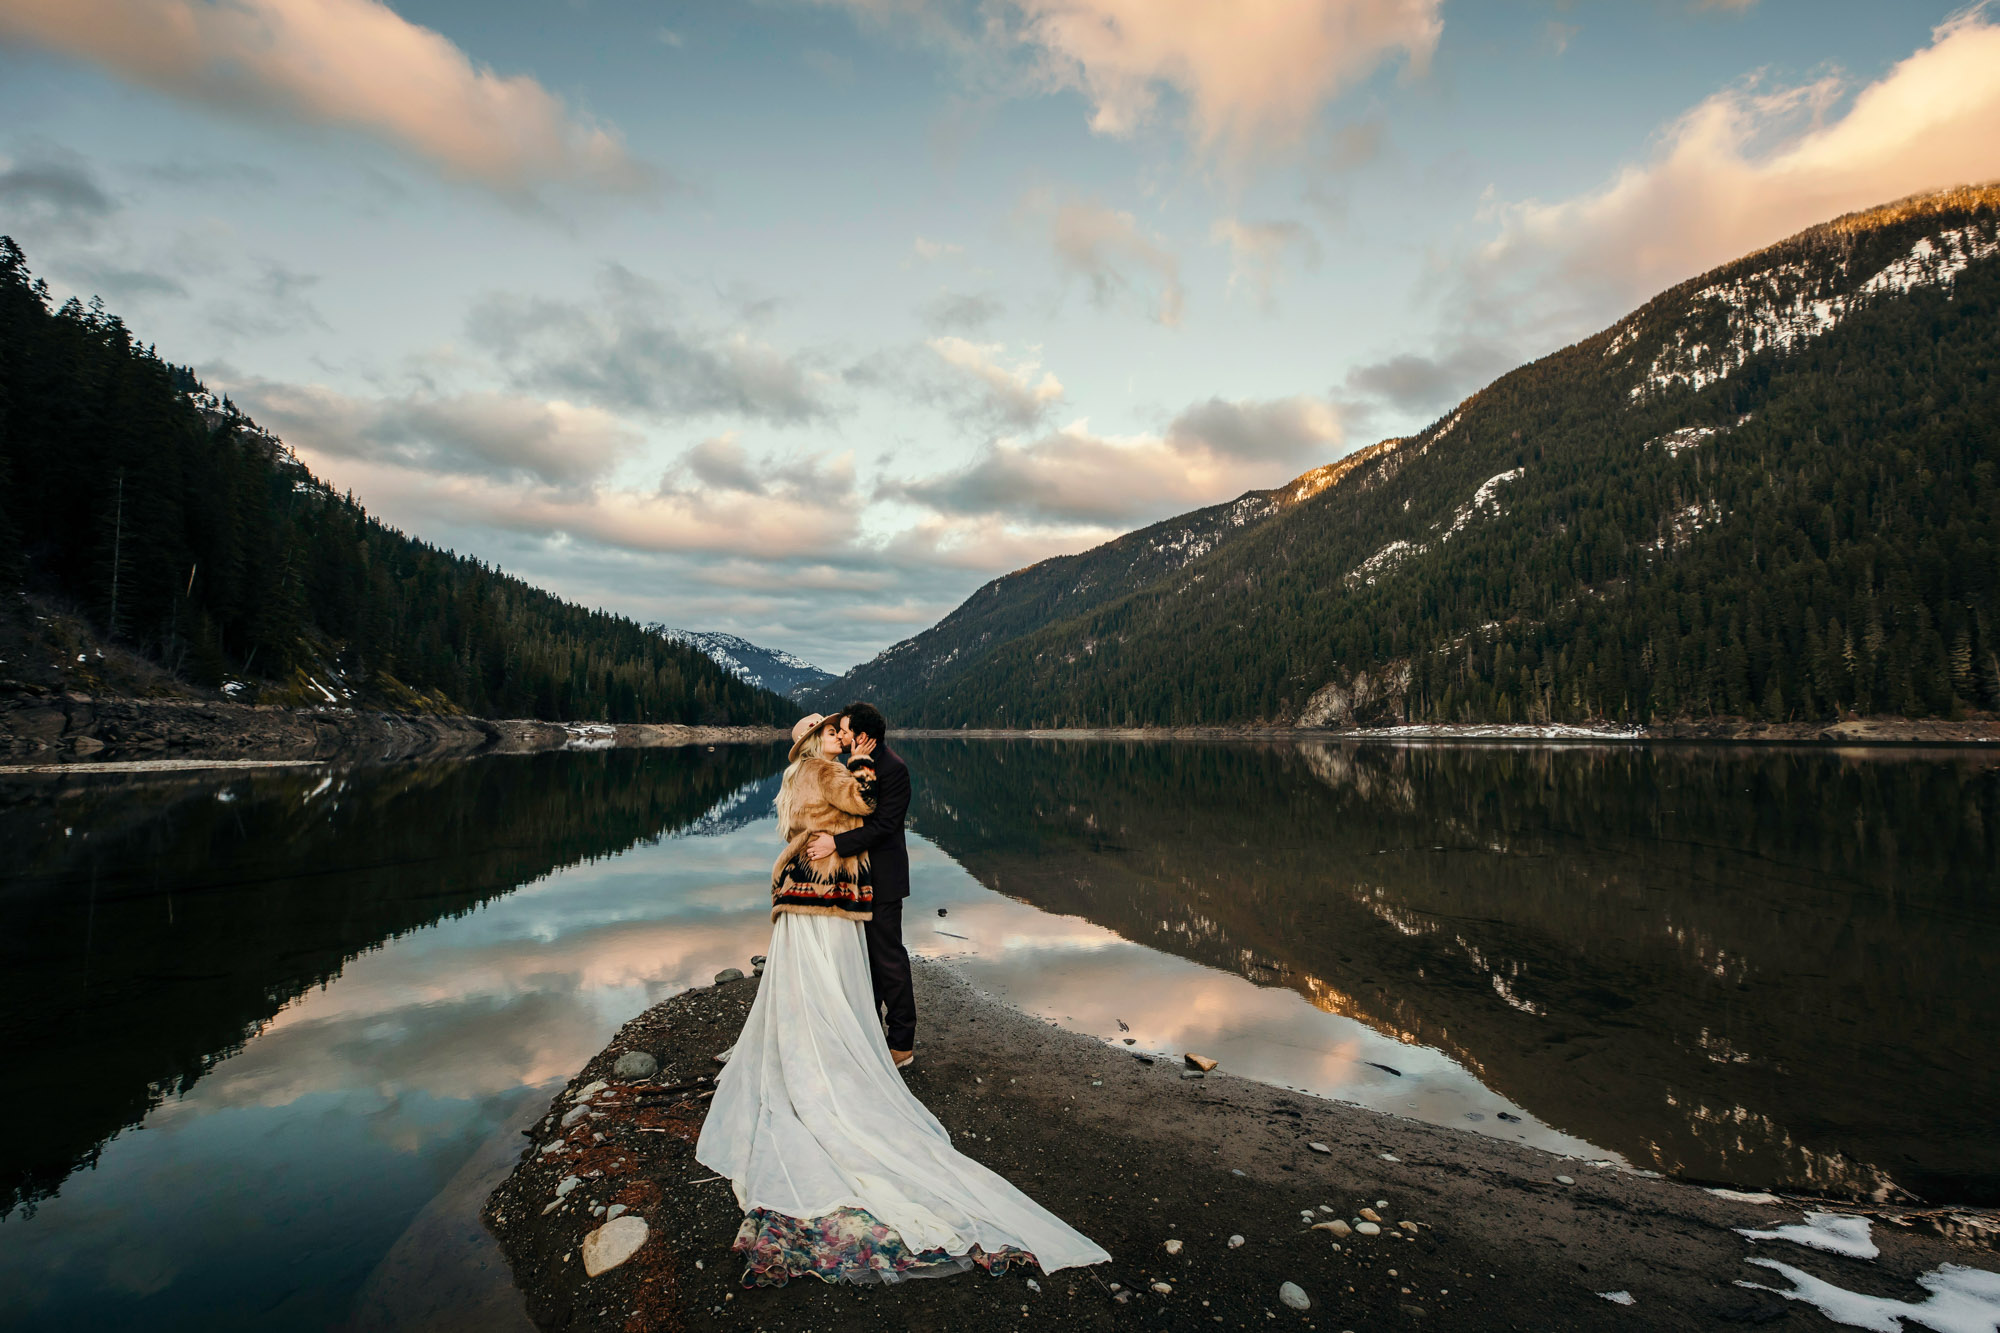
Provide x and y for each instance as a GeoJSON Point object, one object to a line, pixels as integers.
{"type": "Point", "coordinates": [1754, 966]}
{"type": "Point", "coordinates": [153, 925]}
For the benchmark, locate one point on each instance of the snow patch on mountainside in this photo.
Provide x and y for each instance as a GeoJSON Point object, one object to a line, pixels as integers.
{"type": "Point", "coordinates": [1384, 562]}
{"type": "Point", "coordinates": [1783, 307]}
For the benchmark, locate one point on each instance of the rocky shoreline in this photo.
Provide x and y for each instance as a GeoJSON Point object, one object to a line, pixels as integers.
{"type": "Point", "coordinates": [1210, 1192]}
{"type": "Point", "coordinates": [1850, 731]}
{"type": "Point", "coordinates": [79, 728]}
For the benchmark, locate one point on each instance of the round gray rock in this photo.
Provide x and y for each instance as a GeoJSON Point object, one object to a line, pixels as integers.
{"type": "Point", "coordinates": [728, 974]}
{"type": "Point", "coordinates": [1294, 1296]}
{"type": "Point", "coordinates": [636, 1065]}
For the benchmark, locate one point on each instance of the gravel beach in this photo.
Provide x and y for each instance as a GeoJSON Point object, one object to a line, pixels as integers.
{"type": "Point", "coordinates": [1165, 1171]}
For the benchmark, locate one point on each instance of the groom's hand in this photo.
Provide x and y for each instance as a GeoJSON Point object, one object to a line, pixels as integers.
{"type": "Point", "coordinates": [819, 846]}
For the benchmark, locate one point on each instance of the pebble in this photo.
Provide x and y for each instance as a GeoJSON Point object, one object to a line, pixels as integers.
{"type": "Point", "coordinates": [1235, 1241]}
{"type": "Point", "coordinates": [569, 1183]}
{"type": "Point", "coordinates": [552, 1145]}
{"type": "Point", "coordinates": [1235, 1171]}
{"type": "Point", "coordinates": [1565, 1180]}
{"type": "Point", "coordinates": [589, 1090]}
{"type": "Point", "coordinates": [1294, 1297]}
{"type": "Point", "coordinates": [1193, 1073]}
{"type": "Point", "coordinates": [1201, 1062]}
{"type": "Point", "coordinates": [1410, 1227]}
{"type": "Point", "coordinates": [1305, 1215]}
{"type": "Point", "coordinates": [1367, 1229]}
{"type": "Point", "coordinates": [1034, 1286]}
{"type": "Point", "coordinates": [1618, 1297]}
{"type": "Point", "coordinates": [1381, 1203]}
{"type": "Point", "coordinates": [612, 1244]}
{"type": "Point", "coordinates": [635, 1065]}
{"type": "Point", "coordinates": [616, 1210]}
{"type": "Point", "coordinates": [1370, 1215]}
{"type": "Point", "coordinates": [574, 1114]}
{"type": "Point", "coordinates": [1320, 1148]}
{"type": "Point", "coordinates": [1163, 1289]}
{"type": "Point", "coordinates": [1173, 1247]}
{"type": "Point", "coordinates": [1388, 1157]}
{"type": "Point", "coordinates": [728, 974]}
{"type": "Point", "coordinates": [1326, 1208]}
{"type": "Point", "coordinates": [1339, 1228]}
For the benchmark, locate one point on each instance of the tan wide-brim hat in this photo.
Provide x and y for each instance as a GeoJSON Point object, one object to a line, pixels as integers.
{"type": "Point", "coordinates": [801, 729]}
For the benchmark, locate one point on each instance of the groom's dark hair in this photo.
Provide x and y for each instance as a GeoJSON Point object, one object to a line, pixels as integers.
{"type": "Point", "coordinates": [867, 720]}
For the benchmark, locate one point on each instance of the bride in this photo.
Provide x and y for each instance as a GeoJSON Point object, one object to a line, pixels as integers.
{"type": "Point", "coordinates": [841, 1172]}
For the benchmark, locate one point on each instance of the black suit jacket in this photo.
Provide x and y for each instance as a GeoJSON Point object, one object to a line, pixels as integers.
{"type": "Point", "coordinates": [881, 834]}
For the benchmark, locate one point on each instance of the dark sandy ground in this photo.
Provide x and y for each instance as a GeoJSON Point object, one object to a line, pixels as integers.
{"type": "Point", "coordinates": [1135, 1155]}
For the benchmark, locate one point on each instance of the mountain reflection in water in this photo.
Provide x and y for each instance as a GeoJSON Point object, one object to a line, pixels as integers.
{"type": "Point", "coordinates": [330, 999]}
{"type": "Point", "coordinates": [1755, 967]}
{"type": "Point", "coordinates": [155, 925]}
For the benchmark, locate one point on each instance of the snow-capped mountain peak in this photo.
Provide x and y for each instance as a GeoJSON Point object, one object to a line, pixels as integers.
{"type": "Point", "coordinates": [772, 669]}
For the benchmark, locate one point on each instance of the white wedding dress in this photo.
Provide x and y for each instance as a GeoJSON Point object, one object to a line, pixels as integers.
{"type": "Point", "coordinates": [810, 1117]}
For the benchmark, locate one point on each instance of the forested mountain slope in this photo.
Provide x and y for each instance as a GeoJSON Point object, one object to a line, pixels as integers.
{"type": "Point", "coordinates": [182, 530]}
{"type": "Point", "coordinates": [1066, 585]}
{"type": "Point", "coordinates": [1769, 493]}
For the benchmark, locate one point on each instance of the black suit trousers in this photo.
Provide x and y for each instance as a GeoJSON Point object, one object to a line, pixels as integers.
{"type": "Point", "coordinates": [889, 966]}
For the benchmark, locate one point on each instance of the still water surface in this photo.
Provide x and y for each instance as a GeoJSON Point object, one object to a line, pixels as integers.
{"type": "Point", "coordinates": [268, 1038]}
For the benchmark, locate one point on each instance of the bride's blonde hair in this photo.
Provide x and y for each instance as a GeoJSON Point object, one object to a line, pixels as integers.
{"type": "Point", "coordinates": [811, 747]}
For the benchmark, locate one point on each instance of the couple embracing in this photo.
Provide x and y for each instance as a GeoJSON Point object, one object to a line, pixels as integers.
{"type": "Point", "coordinates": [841, 1172]}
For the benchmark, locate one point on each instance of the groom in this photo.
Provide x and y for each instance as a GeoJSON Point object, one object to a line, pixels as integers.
{"type": "Point", "coordinates": [881, 836]}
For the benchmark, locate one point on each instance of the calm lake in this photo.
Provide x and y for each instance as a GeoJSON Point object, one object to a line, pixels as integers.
{"type": "Point", "coordinates": [269, 1037]}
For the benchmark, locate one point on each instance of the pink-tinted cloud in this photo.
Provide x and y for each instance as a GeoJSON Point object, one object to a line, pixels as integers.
{"type": "Point", "coordinates": [1254, 73]}
{"type": "Point", "coordinates": [1212, 451]}
{"type": "Point", "coordinates": [1110, 251]}
{"type": "Point", "coordinates": [341, 64]}
{"type": "Point", "coordinates": [1750, 166]}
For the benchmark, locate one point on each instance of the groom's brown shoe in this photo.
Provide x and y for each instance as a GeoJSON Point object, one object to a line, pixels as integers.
{"type": "Point", "coordinates": [903, 1059]}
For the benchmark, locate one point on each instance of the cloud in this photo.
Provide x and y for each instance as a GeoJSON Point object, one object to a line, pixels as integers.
{"type": "Point", "coordinates": [722, 463]}
{"type": "Point", "coordinates": [927, 249]}
{"type": "Point", "coordinates": [1103, 246]}
{"type": "Point", "coordinates": [54, 188]}
{"type": "Point", "coordinates": [1210, 452]}
{"type": "Point", "coordinates": [1256, 249]}
{"type": "Point", "coordinates": [1426, 384]}
{"type": "Point", "coordinates": [271, 304]}
{"type": "Point", "coordinates": [986, 390]}
{"type": "Point", "coordinates": [619, 353]}
{"type": "Point", "coordinates": [1253, 73]}
{"type": "Point", "coordinates": [964, 312]}
{"type": "Point", "coordinates": [481, 437]}
{"type": "Point", "coordinates": [1748, 166]}
{"type": "Point", "coordinates": [352, 65]}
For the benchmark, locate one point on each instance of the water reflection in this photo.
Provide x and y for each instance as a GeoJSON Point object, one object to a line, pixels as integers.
{"type": "Point", "coordinates": [154, 925]}
{"type": "Point", "coordinates": [1756, 967]}
{"type": "Point", "coordinates": [290, 1021]}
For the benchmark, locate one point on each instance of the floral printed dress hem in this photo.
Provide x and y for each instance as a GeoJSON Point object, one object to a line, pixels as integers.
{"type": "Point", "coordinates": [847, 1245]}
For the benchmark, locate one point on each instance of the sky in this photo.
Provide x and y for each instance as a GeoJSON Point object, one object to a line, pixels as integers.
{"type": "Point", "coordinates": [801, 319]}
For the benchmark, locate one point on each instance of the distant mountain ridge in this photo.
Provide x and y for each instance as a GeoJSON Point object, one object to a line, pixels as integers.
{"type": "Point", "coordinates": [1064, 585]}
{"type": "Point", "coordinates": [771, 669]}
{"type": "Point", "coordinates": [1769, 493]}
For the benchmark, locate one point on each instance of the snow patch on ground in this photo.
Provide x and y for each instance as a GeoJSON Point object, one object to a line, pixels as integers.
{"type": "Point", "coordinates": [1835, 1233]}
{"type": "Point", "coordinates": [1962, 1300]}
